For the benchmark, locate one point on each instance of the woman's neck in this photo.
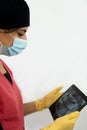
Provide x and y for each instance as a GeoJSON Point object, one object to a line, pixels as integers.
{"type": "Point", "coordinates": [2, 69]}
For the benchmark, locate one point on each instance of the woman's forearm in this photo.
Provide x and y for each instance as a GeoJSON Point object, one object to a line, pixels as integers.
{"type": "Point", "coordinates": [29, 108]}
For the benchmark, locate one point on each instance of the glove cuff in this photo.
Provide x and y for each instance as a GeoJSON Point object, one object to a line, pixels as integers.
{"type": "Point", "coordinates": [38, 105]}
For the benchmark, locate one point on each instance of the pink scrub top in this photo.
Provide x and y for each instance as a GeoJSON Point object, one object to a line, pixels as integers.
{"type": "Point", "coordinates": [11, 104]}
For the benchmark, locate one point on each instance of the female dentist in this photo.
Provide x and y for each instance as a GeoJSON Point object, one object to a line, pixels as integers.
{"type": "Point", "coordinates": [14, 23]}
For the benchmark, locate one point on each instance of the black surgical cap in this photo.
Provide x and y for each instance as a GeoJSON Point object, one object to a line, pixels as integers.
{"type": "Point", "coordinates": [14, 14]}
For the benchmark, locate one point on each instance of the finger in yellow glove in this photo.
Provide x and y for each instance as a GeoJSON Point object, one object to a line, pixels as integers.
{"type": "Point", "coordinates": [49, 99]}
{"type": "Point", "coordinates": [66, 122]}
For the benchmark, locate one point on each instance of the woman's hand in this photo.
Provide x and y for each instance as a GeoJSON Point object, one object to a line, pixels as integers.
{"type": "Point", "coordinates": [49, 99]}
{"type": "Point", "coordinates": [66, 122]}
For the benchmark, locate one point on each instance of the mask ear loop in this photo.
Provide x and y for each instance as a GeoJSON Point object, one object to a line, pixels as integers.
{"type": "Point", "coordinates": [1, 44]}
{"type": "Point", "coordinates": [11, 35]}
{"type": "Point", "coordinates": [0, 47]}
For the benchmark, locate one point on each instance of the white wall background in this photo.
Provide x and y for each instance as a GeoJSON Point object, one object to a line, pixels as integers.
{"type": "Point", "coordinates": [56, 54]}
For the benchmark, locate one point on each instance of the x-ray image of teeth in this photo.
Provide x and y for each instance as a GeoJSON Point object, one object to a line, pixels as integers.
{"type": "Point", "coordinates": [69, 102]}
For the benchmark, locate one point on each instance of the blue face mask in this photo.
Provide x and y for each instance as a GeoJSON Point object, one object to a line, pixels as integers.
{"type": "Point", "coordinates": [18, 46]}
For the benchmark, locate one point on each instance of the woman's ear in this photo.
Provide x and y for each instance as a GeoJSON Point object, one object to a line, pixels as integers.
{"type": "Point", "coordinates": [3, 31]}
{"type": "Point", "coordinates": [6, 31]}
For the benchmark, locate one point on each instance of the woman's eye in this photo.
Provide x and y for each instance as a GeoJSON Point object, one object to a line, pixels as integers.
{"type": "Point", "coordinates": [20, 34]}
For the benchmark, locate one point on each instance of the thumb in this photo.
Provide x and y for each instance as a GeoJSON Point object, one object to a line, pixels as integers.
{"type": "Point", "coordinates": [73, 116]}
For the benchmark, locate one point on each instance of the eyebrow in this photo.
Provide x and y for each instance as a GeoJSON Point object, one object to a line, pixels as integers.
{"type": "Point", "coordinates": [22, 30]}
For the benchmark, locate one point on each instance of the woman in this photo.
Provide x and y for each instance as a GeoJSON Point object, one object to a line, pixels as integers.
{"type": "Point", "coordinates": [14, 23]}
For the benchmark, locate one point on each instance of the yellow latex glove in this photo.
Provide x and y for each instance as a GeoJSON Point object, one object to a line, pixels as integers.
{"type": "Point", "coordinates": [66, 122]}
{"type": "Point", "coordinates": [48, 100]}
